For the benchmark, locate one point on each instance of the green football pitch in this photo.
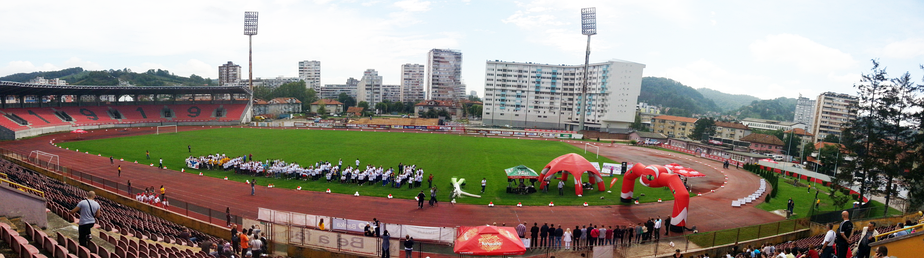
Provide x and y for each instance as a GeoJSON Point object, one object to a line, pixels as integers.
{"type": "Point", "coordinates": [443, 155]}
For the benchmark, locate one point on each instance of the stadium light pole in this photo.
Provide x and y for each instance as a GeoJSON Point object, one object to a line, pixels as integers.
{"type": "Point", "coordinates": [250, 29]}
{"type": "Point", "coordinates": [589, 28]}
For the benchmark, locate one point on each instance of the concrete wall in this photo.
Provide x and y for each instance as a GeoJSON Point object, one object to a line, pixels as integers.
{"type": "Point", "coordinates": [907, 246]}
{"type": "Point", "coordinates": [17, 203]}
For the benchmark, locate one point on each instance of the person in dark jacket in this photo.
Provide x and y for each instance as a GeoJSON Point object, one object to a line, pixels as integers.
{"type": "Point", "coordinates": [420, 200]}
{"type": "Point", "coordinates": [408, 245]}
{"type": "Point", "coordinates": [543, 234]}
{"type": "Point", "coordinates": [558, 234]}
{"type": "Point", "coordinates": [533, 235]}
{"type": "Point", "coordinates": [386, 244]}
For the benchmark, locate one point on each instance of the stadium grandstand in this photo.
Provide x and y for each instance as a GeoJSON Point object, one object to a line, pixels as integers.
{"type": "Point", "coordinates": [122, 231]}
{"type": "Point", "coordinates": [31, 109]}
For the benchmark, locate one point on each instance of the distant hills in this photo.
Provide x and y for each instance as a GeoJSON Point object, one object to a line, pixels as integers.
{"type": "Point", "coordinates": [682, 100]}
{"type": "Point", "coordinates": [675, 98]}
{"type": "Point", "coordinates": [79, 76]}
{"type": "Point", "coordinates": [726, 101]}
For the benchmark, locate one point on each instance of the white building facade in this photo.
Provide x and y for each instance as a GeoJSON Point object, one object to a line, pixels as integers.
{"type": "Point", "coordinates": [532, 95]}
{"type": "Point", "coordinates": [772, 125]}
{"type": "Point", "coordinates": [332, 91]}
{"type": "Point", "coordinates": [412, 82]}
{"type": "Point", "coordinates": [369, 88]}
{"type": "Point", "coordinates": [805, 111]}
{"type": "Point", "coordinates": [832, 111]}
{"type": "Point", "coordinates": [444, 75]}
{"type": "Point", "coordinates": [310, 72]}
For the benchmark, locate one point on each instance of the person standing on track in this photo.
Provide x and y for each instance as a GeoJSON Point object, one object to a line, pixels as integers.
{"type": "Point", "coordinates": [420, 199]}
{"type": "Point", "coordinates": [253, 186]}
{"type": "Point", "coordinates": [161, 163]}
{"type": "Point", "coordinates": [120, 170]}
{"type": "Point", "coordinates": [111, 161]}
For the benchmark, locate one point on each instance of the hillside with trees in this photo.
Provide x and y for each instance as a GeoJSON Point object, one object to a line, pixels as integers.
{"type": "Point", "coordinates": [79, 76]}
{"type": "Point", "coordinates": [727, 101]}
{"type": "Point", "coordinates": [781, 109]}
{"type": "Point", "coordinates": [674, 97]}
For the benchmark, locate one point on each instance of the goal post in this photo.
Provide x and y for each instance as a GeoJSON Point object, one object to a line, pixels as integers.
{"type": "Point", "coordinates": [166, 129]}
{"type": "Point", "coordinates": [45, 159]}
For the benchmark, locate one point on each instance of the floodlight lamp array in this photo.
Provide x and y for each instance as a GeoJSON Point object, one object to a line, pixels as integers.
{"type": "Point", "coordinates": [589, 21]}
{"type": "Point", "coordinates": [250, 23]}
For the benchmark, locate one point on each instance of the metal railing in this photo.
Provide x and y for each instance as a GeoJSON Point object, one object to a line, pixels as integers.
{"type": "Point", "coordinates": [213, 216]}
{"type": "Point", "coordinates": [23, 188]}
{"type": "Point", "coordinates": [742, 234]}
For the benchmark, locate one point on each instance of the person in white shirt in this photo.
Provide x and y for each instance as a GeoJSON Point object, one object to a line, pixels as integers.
{"type": "Point", "coordinates": [657, 228]}
{"type": "Point", "coordinates": [828, 245]}
{"type": "Point", "coordinates": [484, 182]}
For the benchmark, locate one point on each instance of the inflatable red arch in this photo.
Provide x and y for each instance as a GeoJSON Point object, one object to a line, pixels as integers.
{"type": "Point", "coordinates": [575, 165]}
{"type": "Point", "coordinates": [656, 176]}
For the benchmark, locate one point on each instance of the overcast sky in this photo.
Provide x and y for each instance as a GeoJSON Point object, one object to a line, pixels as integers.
{"type": "Point", "coordinates": [768, 49]}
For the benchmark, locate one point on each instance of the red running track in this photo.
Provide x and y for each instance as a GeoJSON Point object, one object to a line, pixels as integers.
{"type": "Point", "coordinates": [709, 212]}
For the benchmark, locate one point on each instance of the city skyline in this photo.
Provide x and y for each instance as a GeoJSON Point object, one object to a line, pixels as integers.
{"type": "Point", "coordinates": [773, 49]}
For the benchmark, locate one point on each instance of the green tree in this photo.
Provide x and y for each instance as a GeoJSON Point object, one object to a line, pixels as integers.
{"type": "Point", "coordinates": [363, 104]}
{"type": "Point", "coordinates": [637, 124]}
{"type": "Point", "coordinates": [474, 98]}
{"type": "Point", "coordinates": [806, 150]}
{"type": "Point", "coordinates": [346, 100]}
{"type": "Point", "coordinates": [475, 110]}
{"type": "Point", "coordinates": [261, 92]}
{"type": "Point", "coordinates": [321, 110]}
{"type": "Point", "coordinates": [831, 138]}
{"type": "Point", "coordinates": [791, 144]}
{"type": "Point", "coordinates": [703, 128]}
{"type": "Point", "coordinates": [382, 107]}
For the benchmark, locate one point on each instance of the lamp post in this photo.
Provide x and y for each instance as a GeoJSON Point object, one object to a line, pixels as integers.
{"type": "Point", "coordinates": [589, 28]}
{"type": "Point", "coordinates": [250, 29]}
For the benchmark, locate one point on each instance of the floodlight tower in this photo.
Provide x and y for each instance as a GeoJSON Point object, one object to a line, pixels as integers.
{"type": "Point", "coordinates": [589, 28]}
{"type": "Point", "coordinates": [250, 29]}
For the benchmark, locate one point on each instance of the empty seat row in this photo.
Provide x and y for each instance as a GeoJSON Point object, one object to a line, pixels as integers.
{"type": "Point", "coordinates": [17, 119]}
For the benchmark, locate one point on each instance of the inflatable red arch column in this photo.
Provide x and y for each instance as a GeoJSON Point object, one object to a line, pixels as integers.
{"type": "Point", "coordinates": [656, 176]}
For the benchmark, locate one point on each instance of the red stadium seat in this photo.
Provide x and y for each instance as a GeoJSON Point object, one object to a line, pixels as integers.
{"type": "Point", "coordinates": [37, 117]}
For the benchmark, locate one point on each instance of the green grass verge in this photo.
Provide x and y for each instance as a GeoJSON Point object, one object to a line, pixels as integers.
{"type": "Point", "coordinates": [444, 156]}
{"type": "Point", "coordinates": [729, 236]}
{"type": "Point", "coordinates": [803, 197]}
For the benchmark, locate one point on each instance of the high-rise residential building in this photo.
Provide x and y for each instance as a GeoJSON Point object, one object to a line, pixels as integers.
{"type": "Point", "coordinates": [332, 91]}
{"type": "Point", "coordinates": [444, 75]}
{"type": "Point", "coordinates": [369, 88]}
{"type": "Point", "coordinates": [229, 73]}
{"type": "Point", "coordinates": [310, 72]}
{"type": "Point", "coordinates": [391, 93]}
{"type": "Point", "coordinates": [533, 95]}
{"type": "Point", "coordinates": [832, 111]}
{"type": "Point", "coordinates": [412, 82]}
{"type": "Point", "coordinates": [805, 111]}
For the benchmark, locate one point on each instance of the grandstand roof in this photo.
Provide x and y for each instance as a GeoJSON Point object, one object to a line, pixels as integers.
{"type": "Point", "coordinates": [18, 88]}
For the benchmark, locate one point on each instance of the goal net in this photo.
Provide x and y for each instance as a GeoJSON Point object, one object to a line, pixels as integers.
{"type": "Point", "coordinates": [45, 159]}
{"type": "Point", "coordinates": [166, 129]}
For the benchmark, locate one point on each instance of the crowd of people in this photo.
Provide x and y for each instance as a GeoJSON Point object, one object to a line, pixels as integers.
{"type": "Point", "coordinates": [563, 237]}
{"type": "Point", "coordinates": [404, 175]}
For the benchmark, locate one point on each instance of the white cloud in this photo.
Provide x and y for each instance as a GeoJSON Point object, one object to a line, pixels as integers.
{"type": "Point", "coordinates": [804, 53]}
{"type": "Point", "coordinates": [86, 65]}
{"type": "Point", "coordinates": [413, 5]}
{"type": "Point", "coordinates": [909, 48]}
{"type": "Point", "coordinates": [525, 20]}
{"type": "Point", "coordinates": [25, 67]}
{"type": "Point", "coordinates": [194, 66]}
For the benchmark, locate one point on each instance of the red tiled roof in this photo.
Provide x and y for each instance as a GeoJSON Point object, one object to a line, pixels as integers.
{"type": "Point", "coordinates": [259, 102]}
{"type": "Point", "coordinates": [763, 138]}
{"type": "Point", "coordinates": [356, 110]}
{"type": "Point", "coordinates": [327, 102]}
{"type": "Point", "coordinates": [799, 131]}
{"type": "Point", "coordinates": [437, 103]}
{"type": "Point", "coordinates": [731, 125]}
{"type": "Point", "coordinates": [282, 100]}
{"type": "Point", "coordinates": [676, 118]}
